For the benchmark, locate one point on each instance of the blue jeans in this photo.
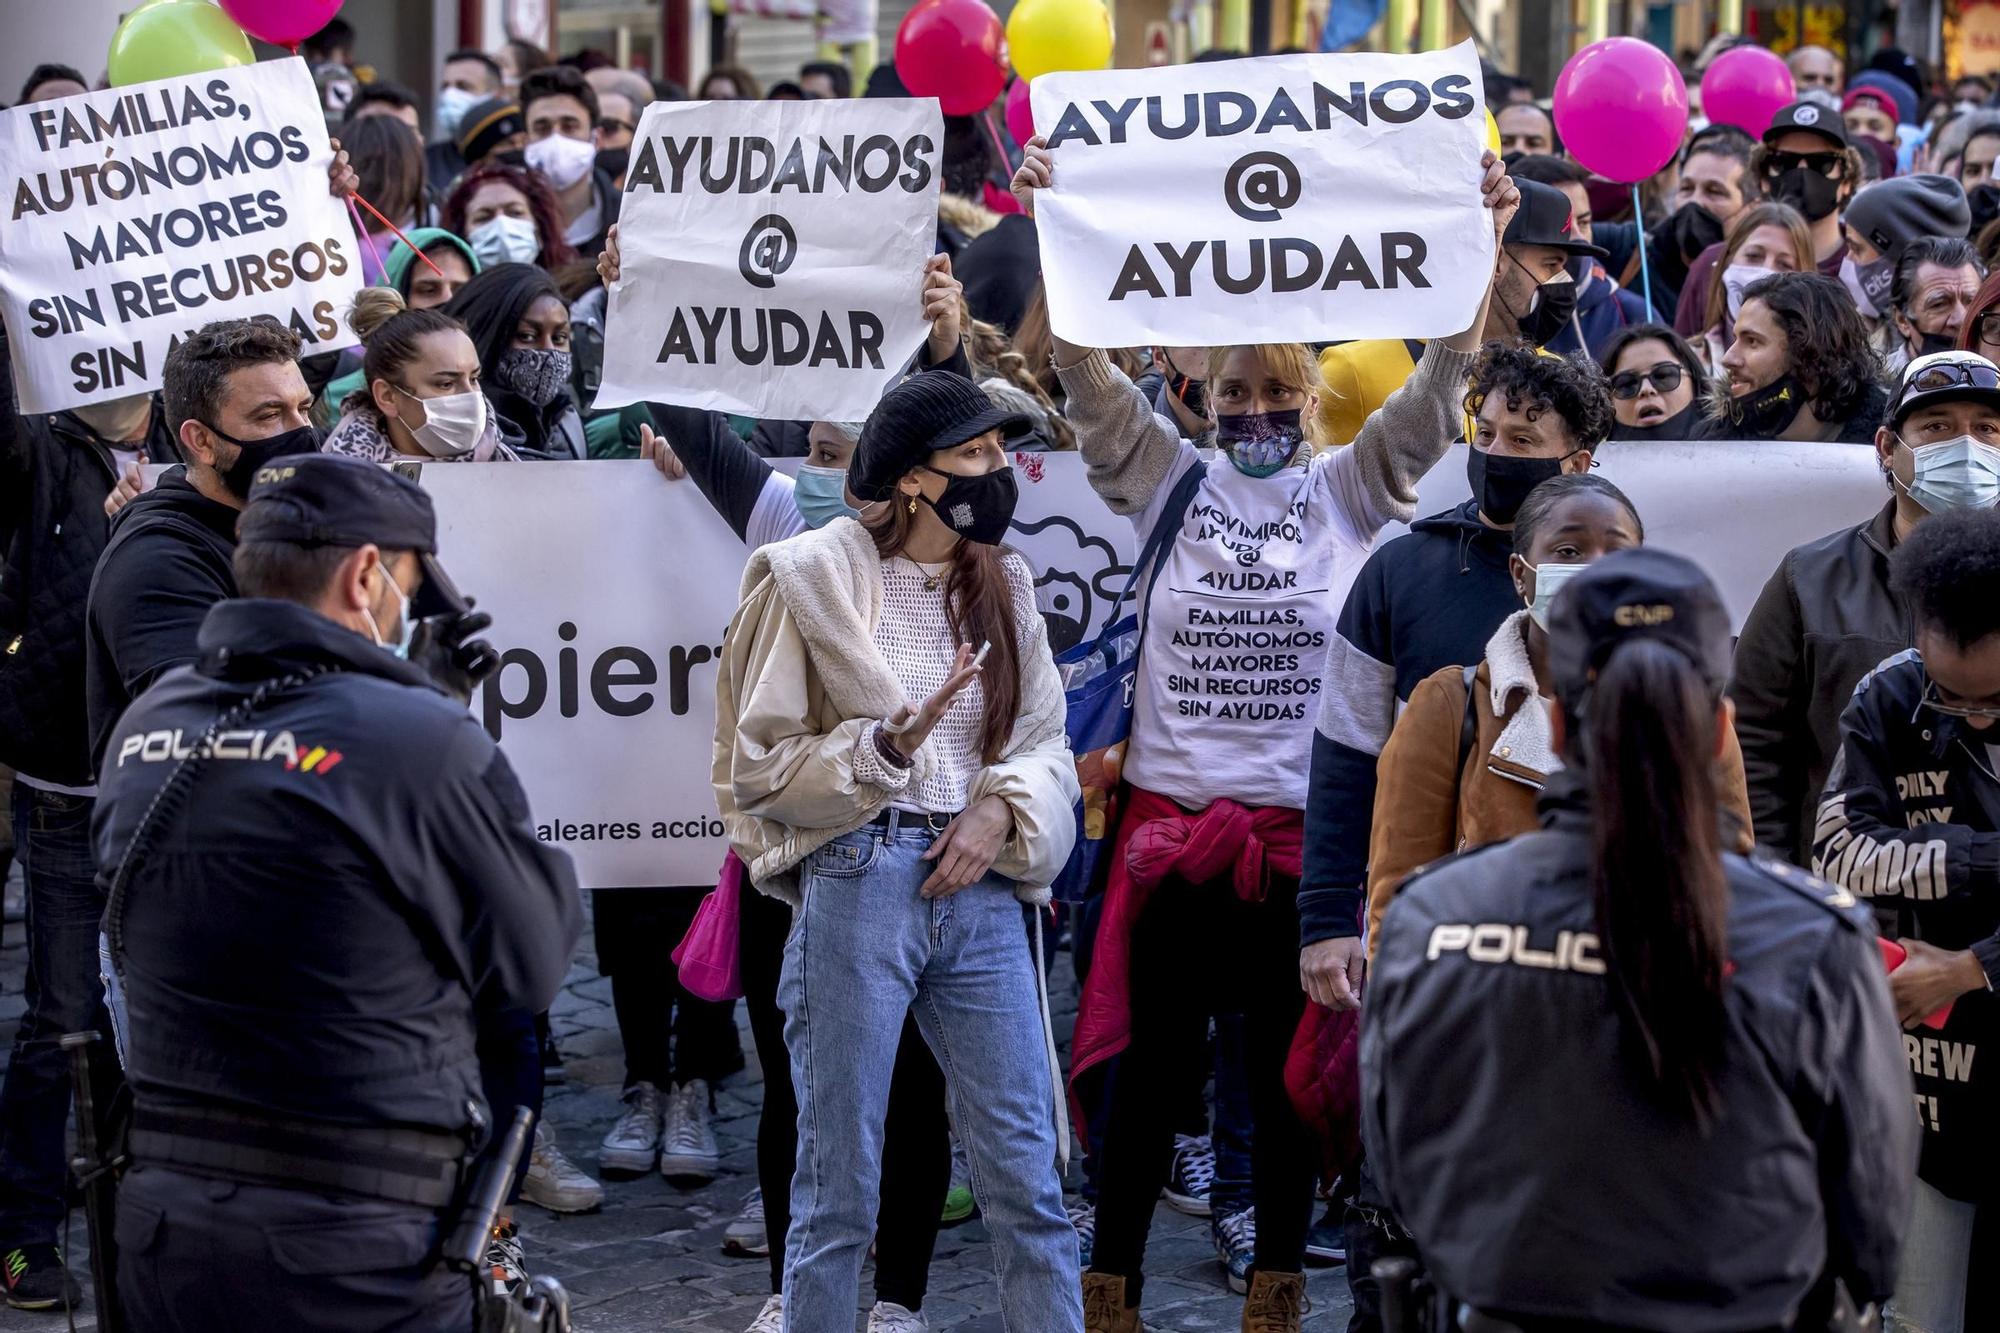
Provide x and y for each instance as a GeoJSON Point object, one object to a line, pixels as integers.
{"type": "Point", "coordinates": [52, 835]}
{"type": "Point", "coordinates": [1936, 1266]}
{"type": "Point", "coordinates": [863, 950]}
{"type": "Point", "coordinates": [1233, 1190]}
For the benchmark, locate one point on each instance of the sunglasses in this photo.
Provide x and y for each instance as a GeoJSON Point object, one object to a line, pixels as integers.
{"type": "Point", "coordinates": [1629, 383]}
{"type": "Point", "coordinates": [1826, 164]}
{"type": "Point", "coordinates": [1936, 704]}
{"type": "Point", "coordinates": [610, 126]}
{"type": "Point", "coordinates": [1952, 375]}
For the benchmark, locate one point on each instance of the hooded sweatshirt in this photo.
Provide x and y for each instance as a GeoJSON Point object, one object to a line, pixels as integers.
{"type": "Point", "coordinates": [1428, 600]}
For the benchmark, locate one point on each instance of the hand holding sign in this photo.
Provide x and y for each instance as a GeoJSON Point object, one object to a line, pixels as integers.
{"type": "Point", "coordinates": [944, 307]}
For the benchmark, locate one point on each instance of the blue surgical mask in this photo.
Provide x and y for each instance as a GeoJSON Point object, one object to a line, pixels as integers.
{"type": "Point", "coordinates": [1955, 474]}
{"type": "Point", "coordinates": [820, 494]}
{"type": "Point", "coordinates": [406, 625]}
{"type": "Point", "coordinates": [1549, 578]}
{"type": "Point", "coordinates": [1260, 444]}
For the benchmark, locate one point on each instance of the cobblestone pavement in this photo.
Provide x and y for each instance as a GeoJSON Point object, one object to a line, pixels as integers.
{"type": "Point", "coordinates": [651, 1259]}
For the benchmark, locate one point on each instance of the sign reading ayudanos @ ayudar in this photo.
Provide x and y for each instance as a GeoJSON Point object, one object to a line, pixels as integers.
{"type": "Point", "coordinates": [1289, 198]}
{"type": "Point", "coordinates": [772, 255]}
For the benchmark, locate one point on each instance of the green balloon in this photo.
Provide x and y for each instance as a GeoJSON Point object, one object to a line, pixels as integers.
{"type": "Point", "coordinates": [170, 38]}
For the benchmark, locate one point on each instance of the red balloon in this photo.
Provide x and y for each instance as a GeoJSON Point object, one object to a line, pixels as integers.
{"type": "Point", "coordinates": [283, 23]}
{"type": "Point", "coordinates": [1745, 86]}
{"type": "Point", "coordinates": [1020, 118]}
{"type": "Point", "coordinates": [955, 51]}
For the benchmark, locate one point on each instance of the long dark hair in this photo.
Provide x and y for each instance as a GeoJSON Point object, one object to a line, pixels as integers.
{"type": "Point", "coordinates": [1826, 341]}
{"type": "Point", "coordinates": [1647, 742]}
{"type": "Point", "coordinates": [979, 605]}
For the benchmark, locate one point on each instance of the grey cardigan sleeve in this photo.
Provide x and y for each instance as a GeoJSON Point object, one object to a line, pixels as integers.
{"type": "Point", "coordinates": [1404, 438]}
{"type": "Point", "coordinates": [1128, 450]}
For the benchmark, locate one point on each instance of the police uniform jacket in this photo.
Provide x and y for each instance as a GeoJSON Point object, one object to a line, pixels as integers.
{"type": "Point", "coordinates": [349, 879]}
{"type": "Point", "coordinates": [1542, 1177]}
{"type": "Point", "coordinates": [1911, 822]}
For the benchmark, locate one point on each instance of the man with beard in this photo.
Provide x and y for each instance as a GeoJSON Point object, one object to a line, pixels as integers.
{"type": "Point", "coordinates": [235, 400]}
{"type": "Point", "coordinates": [1801, 367]}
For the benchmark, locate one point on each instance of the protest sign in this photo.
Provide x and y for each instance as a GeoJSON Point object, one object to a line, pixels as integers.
{"type": "Point", "coordinates": [609, 621]}
{"type": "Point", "coordinates": [136, 215]}
{"type": "Point", "coordinates": [1285, 199]}
{"type": "Point", "coordinates": [772, 254]}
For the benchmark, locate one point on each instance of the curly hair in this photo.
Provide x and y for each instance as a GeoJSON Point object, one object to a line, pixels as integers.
{"type": "Point", "coordinates": [196, 375]}
{"type": "Point", "coordinates": [993, 356]}
{"type": "Point", "coordinates": [1948, 569]}
{"type": "Point", "coordinates": [1574, 388]}
{"type": "Point", "coordinates": [542, 207]}
{"type": "Point", "coordinates": [1826, 342]}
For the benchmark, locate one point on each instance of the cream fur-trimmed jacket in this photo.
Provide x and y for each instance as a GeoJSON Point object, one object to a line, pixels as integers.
{"type": "Point", "coordinates": [799, 687]}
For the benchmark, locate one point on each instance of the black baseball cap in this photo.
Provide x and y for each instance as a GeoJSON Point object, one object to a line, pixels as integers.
{"type": "Point", "coordinates": [1544, 219]}
{"type": "Point", "coordinates": [1641, 592]}
{"type": "Point", "coordinates": [329, 500]}
{"type": "Point", "coordinates": [1945, 377]}
{"type": "Point", "coordinates": [1811, 118]}
{"type": "Point", "coordinates": [932, 410]}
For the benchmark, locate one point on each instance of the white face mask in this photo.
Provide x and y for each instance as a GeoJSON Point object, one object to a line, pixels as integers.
{"type": "Point", "coordinates": [505, 240]}
{"type": "Point", "coordinates": [1549, 579]}
{"type": "Point", "coordinates": [1738, 276]}
{"type": "Point", "coordinates": [406, 628]}
{"type": "Point", "coordinates": [452, 104]}
{"type": "Point", "coordinates": [563, 160]}
{"type": "Point", "coordinates": [453, 422]}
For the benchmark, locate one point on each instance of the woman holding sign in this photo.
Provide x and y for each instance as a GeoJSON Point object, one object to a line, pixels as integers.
{"type": "Point", "coordinates": [1236, 630]}
{"type": "Point", "coordinates": [890, 758]}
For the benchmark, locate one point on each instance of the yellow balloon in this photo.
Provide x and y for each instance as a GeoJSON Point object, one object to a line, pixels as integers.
{"type": "Point", "coordinates": [171, 38]}
{"type": "Point", "coordinates": [1044, 36]}
{"type": "Point", "coordinates": [1492, 134]}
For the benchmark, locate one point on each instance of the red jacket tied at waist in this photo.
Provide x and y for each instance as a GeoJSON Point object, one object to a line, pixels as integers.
{"type": "Point", "coordinates": [1157, 840]}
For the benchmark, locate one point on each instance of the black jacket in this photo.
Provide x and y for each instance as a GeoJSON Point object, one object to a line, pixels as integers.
{"type": "Point", "coordinates": [1911, 821]}
{"type": "Point", "coordinates": [1823, 621]}
{"type": "Point", "coordinates": [167, 563]}
{"type": "Point", "coordinates": [1511, 1132]}
{"type": "Point", "coordinates": [54, 475]}
{"type": "Point", "coordinates": [349, 880]}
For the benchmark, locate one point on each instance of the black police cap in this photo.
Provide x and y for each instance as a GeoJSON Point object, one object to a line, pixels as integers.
{"type": "Point", "coordinates": [1639, 593]}
{"type": "Point", "coordinates": [328, 500]}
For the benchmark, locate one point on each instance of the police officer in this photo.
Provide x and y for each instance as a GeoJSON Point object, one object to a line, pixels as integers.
{"type": "Point", "coordinates": [321, 873]}
{"type": "Point", "coordinates": [1616, 1077]}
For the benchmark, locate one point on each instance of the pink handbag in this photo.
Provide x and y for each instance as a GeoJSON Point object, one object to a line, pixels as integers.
{"type": "Point", "coordinates": [709, 956]}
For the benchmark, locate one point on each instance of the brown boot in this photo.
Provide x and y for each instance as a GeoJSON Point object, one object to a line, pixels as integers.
{"type": "Point", "coordinates": [1276, 1303]}
{"type": "Point", "coordinates": [1104, 1307]}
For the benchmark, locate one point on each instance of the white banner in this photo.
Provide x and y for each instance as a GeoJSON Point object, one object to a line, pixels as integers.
{"type": "Point", "coordinates": [1290, 198]}
{"type": "Point", "coordinates": [771, 255]}
{"type": "Point", "coordinates": [139, 214]}
{"type": "Point", "coordinates": [609, 621]}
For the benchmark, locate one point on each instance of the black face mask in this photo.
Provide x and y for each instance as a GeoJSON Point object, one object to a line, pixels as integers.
{"type": "Point", "coordinates": [1676, 427]}
{"type": "Point", "coordinates": [1501, 482]}
{"type": "Point", "coordinates": [512, 157]}
{"type": "Point", "coordinates": [1691, 230]}
{"type": "Point", "coordinates": [1984, 201]}
{"type": "Point", "coordinates": [1764, 413]}
{"type": "Point", "coordinates": [977, 508]}
{"type": "Point", "coordinates": [614, 162]}
{"type": "Point", "coordinates": [252, 455]}
{"type": "Point", "coordinates": [1933, 342]}
{"type": "Point", "coordinates": [1549, 311]}
{"type": "Point", "coordinates": [1813, 193]}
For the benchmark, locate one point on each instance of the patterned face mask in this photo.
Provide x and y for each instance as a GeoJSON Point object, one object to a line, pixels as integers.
{"type": "Point", "coordinates": [1260, 444]}
{"type": "Point", "coordinates": [538, 374]}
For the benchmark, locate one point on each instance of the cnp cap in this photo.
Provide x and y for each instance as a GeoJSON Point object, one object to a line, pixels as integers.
{"type": "Point", "coordinates": [1637, 593]}
{"type": "Point", "coordinates": [1811, 118]}
{"type": "Point", "coordinates": [328, 500]}
{"type": "Point", "coordinates": [1544, 219]}
{"type": "Point", "coordinates": [1944, 377]}
{"type": "Point", "coordinates": [926, 412]}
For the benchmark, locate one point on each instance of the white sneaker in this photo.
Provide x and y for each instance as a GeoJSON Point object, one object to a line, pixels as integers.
{"type": "Point", "coordinates": [506, 1261]}
{"type": "Point", "coordinates": [746, 1237]}
{"type": "Point", "coordinates": [633, 1144]}
{"type": "Point", "coordinates": [889, 1317]}
{"type": "Point", "coordinates": [556, 1183]}
{"type": "Point", "coordinates": [688, 1155]}
{"type": "Point", "coordinates": [770, 1319]}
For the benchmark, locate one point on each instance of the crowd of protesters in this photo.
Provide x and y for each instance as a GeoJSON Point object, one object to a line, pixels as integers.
{"type": "Point", "coordinates": [1652, 794]}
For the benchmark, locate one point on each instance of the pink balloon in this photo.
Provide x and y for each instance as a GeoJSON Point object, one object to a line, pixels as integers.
{"type": "Point", "coordinates": [955, 51]}
{"type": "Point", "coordinates": [1621, 108]}
{"type": "Point", "coordinates": [1745, 86]}
{"type": "Point", "coordinates": [283, 23]}
{"type": "Point", "coordinates": [1020, 119]}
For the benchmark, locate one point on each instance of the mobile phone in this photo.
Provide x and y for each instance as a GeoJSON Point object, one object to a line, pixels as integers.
{"type": "Point", "coordinates": [979, 658]}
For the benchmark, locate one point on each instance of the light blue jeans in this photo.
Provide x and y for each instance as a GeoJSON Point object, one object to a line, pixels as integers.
{"type": "Point", "coordinates": [1937, 1260]}
{"type": "Point", "coordinates": [864, 949]}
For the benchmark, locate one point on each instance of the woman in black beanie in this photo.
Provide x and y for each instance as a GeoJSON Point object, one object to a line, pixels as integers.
{"type": "Point", "coordinates": [520, 325]}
